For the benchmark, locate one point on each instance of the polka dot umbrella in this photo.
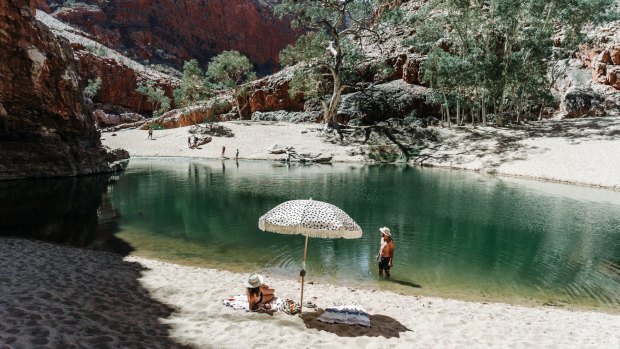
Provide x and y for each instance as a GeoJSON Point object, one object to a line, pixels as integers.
{"type": "Point", "coordinates": [310, 218]}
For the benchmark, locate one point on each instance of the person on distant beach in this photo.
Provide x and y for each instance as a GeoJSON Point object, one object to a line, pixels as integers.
{"type": "Point", "coordinates": [223, 150]}
{"type": "Point", "coordinates": [150, 133]}
{"type": "Point", "coordinates": [189, 141]}
{"type": "Point", "coordinates": [195, 141]}
{"type": "Point", "coordinates": [386, 252]}
{"type": "Point", "coordinates": [237, 155]}
{"type": "Point", "coordinates": [258, 293]}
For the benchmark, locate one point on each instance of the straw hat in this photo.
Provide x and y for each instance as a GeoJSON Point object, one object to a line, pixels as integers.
{"type": "Point", "coordinates": [253, 281]}
{"type": "Point", "coordinates": [386, 231]}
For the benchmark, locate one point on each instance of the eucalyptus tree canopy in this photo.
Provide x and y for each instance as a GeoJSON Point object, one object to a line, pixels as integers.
{"type": "Point", "coordinates": [231, 69]}
{"type": "Point", "coordinates": [330, 52]}
{"type": "Point", "coordinates": [194, 86]}
{"type": "Point", "coordinates": [499, 55]}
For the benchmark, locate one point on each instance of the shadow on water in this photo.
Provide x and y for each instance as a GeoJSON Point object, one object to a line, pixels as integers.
{"type": "Point", "coordinates": [73, 211]}
{"type": "Point", "coordinates": [405, 283]}
{"type": "Point", "coordinates": [58, 296]}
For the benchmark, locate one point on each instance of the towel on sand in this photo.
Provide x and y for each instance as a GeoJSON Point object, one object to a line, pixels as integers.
{"type": "Point", "coordinates": [241, 302]}
{"type": "Point", "coordinates": [349, 314]}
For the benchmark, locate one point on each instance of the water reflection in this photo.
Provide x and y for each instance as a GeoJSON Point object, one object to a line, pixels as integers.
{"type": "Point", "coordinates": [75, 211]}
{"type": "Point", "coordinates": [457, 234]}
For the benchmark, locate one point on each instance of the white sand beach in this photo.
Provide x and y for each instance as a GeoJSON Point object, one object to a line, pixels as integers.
{"type": "Point", "coordinates": [62, 297]}
{"type": "Point", "coordinates": [584, 151]}
{"type": "Point", "coordinates": [251, 138]}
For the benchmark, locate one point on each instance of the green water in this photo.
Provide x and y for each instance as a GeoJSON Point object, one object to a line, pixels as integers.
{"type": "Point", "coordinates": [457, 234]}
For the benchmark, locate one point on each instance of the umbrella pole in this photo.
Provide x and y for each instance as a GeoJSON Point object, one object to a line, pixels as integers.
{"type": "Point", "coordinates": [301, 303]}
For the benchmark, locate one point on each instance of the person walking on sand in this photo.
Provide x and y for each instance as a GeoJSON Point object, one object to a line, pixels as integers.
{"type": "Point", "coordinates": [150, 133]}
{"type": "Point", "coordinates": [386, 252]}
{"type": "Point", "coordinates": [189, 141]}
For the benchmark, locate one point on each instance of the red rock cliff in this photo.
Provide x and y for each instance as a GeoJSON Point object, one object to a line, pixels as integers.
{"type": "Point", "coordinates": [119, 81]}
{"type": "Point", "coordinates": [44, 127]}
{"type": "Point", "coordinates": [174, 31]}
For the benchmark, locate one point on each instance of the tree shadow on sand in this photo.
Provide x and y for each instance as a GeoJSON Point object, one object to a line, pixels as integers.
{"type": "Point", "coordinates": [498, 145]}
{"type": "Point", "coordinates": [61, 297]}
{"type": "Point", "coordinates": [380, 326]}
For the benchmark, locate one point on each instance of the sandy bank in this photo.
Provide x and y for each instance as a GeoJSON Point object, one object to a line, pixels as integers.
{"type": "Point", "coordinates": [585, 151]}
{"type": "Point", "coordinates": [53, 296]}
{"type": "Point", "coordinates": [251, 138]}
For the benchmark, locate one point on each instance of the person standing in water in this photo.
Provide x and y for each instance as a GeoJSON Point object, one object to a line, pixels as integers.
{"type": "Point", "coordinates": [237, 155]}
{"type": "Point", "coordinates": [223, 150]}
{"type": "Point", "coordinates": [386, 252]}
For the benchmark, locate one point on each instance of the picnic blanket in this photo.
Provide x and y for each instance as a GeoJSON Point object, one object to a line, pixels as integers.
{"type": "Point", "coordinates": [349, 314]}
{"type": "Point", "coordinates": [241, 302]}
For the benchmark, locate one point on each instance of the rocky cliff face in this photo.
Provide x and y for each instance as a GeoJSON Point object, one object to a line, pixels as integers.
{"type": "Point", "coordinates": [120, 81]}
{"type": "Point", "coordinates": [174, 31]}
{"type": "Point", "coordinates": [119, 75]}
{"type": "Point", "coordinates": [591, 85]}
{"type": "Point", "coordinates": [45, 129]}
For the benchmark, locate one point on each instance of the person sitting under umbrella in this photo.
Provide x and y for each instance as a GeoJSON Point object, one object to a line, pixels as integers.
{"type": "Point", "coordinates": [258, 293]}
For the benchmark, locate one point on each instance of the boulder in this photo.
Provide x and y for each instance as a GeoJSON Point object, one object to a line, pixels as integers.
{"type": "Point", "coordinates": [395, 99]}
{"type": "Point", "coordinates": [193, 115]}
{"type": "Point", "coordinates": [581, 102]}
{"type": "Point", "coordinates": [292, 117]}
{"type": "Point", "coordinates": [271, 94]}
{"type": "Point", "coordinates": [107, 120]}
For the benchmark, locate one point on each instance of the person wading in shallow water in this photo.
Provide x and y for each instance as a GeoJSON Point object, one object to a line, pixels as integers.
{"type": "Point", "coordinates": [386, 252]}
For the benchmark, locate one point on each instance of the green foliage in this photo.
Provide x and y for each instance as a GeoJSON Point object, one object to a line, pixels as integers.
{"type": "Point", "coordinates": [308, 47]}
{"type": "Point", "coordinates": [330, 52]}
{"type": "Point", "coordinates": [218, 106]}
{"type": "Point", "coordinates": [69, 3]}
{"type": "Point", "coordinates": [155, 126]}
{"type": "Point", "coordinates": [97, 50]}
{"type": "Point", "coordinates": [155, 95]}
{"type": "Point", "coordinates": [382, 71]}
{"type": "Point", "coordinates": [194, 86]}
{"type": "Point", "coordinates": [230, 69]}
{"type": "Point", "coordinates": [309, 82]}
{"type": "Point", "coordinates": [499, 56]}
{"type": "Point", "coordinates": [92, 88]}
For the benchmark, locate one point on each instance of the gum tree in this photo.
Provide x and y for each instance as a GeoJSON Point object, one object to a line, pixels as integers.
{"type": "Point", "coordinates": [194, 87]}
{"type": "Point", "coordinates": [330, 52]}
{"type": "Point", "coordinates": [231, 69]}
{"type": "Point", "coordinates": [499, 56]}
